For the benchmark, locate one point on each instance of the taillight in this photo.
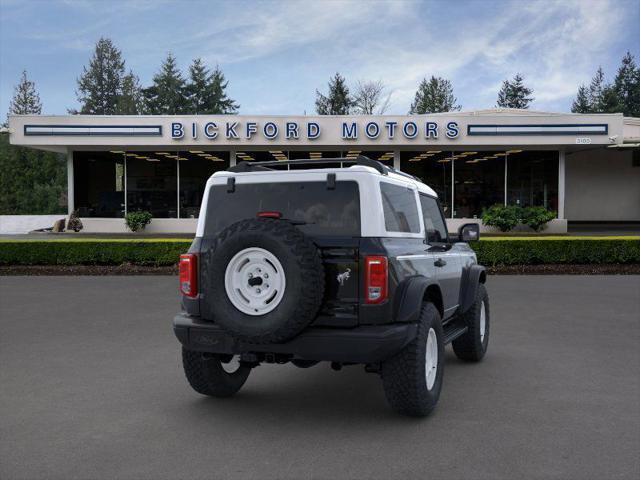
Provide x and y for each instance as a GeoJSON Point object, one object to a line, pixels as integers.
{"type": "Point", "coordinates": [376, 278]}
{"type": "Point", "coordinates": [189, 275]}
{"type": "Point", "coordinates": [269, 215]}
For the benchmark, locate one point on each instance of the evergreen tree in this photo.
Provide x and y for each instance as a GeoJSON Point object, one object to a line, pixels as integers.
{"type": "Point", "coordinates": [581, 104]}
{"type": "Point", "coordinates": [25, 99]}
{"type": "Point", "coordinates": [627, 86]}
{"type": "Point", "coordinates": [338, 101]}
{"type": "Point", "coordinates": [514, 94]}
{"type": "Point", "coordinates": [219, 102]}
{"type": "Point", "coordinates": [206, 92]}
{"type": "Point", "coordinates": [433, 96]}
{"type": "Point", "coordinates": [130, 101]}
{"type": "Point", "coordinates": [596, 91]}
{"type": "Point", "coordinates": [610, 101]}
{"type": "Point", "coordinates": [31, 181]}
{"type": "Point", "coordinates": [167, 95]}
{"type": "Point", "coordinates": [99, 86]}
{"type": "Point", "coordinates": [196, 89]}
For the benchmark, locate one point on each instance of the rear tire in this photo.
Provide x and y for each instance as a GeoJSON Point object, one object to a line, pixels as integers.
{"type": "Point", "coordinates": [207, 374]}
{"type": "Point", "coordinates": [412, 379]}
{"type": "Point", "coordinates": [472, 346]}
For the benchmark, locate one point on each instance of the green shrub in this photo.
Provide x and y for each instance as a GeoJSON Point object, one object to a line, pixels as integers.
{"type": "Point", "coordinates": [92, 252]}
{"type": "Point", "coordinates": [137, 220]}
{"type": "Point", "coordinates": [507, 217]}
{"type": "Point", "coordinates": [568, 250]}
{"type": "Point", "coordinates": [503, 217]}
{"type": "Point", "coordinates": [536, 217]}
{"type": "Point", "coordinates": [159, 252]}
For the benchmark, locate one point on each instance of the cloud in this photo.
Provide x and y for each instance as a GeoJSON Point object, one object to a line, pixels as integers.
{"type": "Point", "coordinates": [277, 53]}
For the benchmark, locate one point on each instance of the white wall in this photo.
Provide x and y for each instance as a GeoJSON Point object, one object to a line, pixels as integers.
{"type": "Point", "coordinates": [12, 224]}
{"type": "Point", "coordinates": [602, 185]}
{"type": "Point", "coordinates": [157, 225]}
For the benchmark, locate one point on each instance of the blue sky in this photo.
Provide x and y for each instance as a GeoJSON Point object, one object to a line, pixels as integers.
{"type": "Point", "coordinates": [275, 54]}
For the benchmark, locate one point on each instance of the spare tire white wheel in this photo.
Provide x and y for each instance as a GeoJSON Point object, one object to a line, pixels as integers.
{"type": "Point", "coordinates": [273, 280]}
{"type": "Point", "coordinates": [255, 281]}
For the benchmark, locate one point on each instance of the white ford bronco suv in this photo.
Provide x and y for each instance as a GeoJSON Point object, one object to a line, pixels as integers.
{"type": "Point", "coordinates": [349, 265]}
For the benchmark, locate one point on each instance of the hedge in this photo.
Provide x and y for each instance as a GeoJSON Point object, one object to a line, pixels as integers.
{"type": "Point", "coordinates": [92, 252]}
{"type": "Point", "coordinates": [491, 251]}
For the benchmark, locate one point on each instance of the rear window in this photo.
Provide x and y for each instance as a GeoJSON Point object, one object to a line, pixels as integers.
{"type": "Point", "coordinates": [400, 209]}
{"type": "Point", "coordinates": [320, 211]}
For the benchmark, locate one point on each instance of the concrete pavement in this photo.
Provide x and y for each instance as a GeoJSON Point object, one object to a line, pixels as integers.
{"type": "Point", "coordinates": [91, 386]}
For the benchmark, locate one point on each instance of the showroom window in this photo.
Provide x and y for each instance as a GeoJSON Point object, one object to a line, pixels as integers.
{"type": "Point", "coordinates": [478, 182]}
{"type": "Point", "coordinates": [194, 169]}
{"type": "Point", "coordinates": [168, 184]}
{"type": "Point", "coordinates": [469, 181]}
{"type": "Point", "coordinates": [532, 179]}
{"type": "Point", "coordinates": [99, 184]}
{"type": "Point", "coordinates": [152, 184]}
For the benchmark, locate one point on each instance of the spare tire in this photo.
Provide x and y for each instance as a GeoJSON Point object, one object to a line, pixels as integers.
{"type": "Point", "coordinates": [266, 280]}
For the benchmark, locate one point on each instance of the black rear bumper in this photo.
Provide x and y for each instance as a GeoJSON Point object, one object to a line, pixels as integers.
{"type": "Point", "coordinates": [364, 344]}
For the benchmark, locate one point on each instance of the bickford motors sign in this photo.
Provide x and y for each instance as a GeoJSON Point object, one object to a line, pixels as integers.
{"type": "Point", "coordinates": [232, 131]}
{"type": "Point", "coordinates": [310, 130]}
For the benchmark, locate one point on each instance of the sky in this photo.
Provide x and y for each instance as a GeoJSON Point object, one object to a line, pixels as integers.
{"type": "Point", "coordinates": [275, 54]}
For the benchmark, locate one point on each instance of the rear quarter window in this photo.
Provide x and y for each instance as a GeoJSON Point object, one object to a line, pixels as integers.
{"type": "Point", "coordinates": [400, 208]}
{"type": "Point", "coordinates": [319, 210]}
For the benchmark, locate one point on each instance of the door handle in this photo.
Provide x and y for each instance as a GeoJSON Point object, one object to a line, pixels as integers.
{"type": "Point", "coordinates": [439, 263]}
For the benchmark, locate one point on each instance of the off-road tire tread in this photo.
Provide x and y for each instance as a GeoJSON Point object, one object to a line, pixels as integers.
{"type": "Point", "coordinates": [308, 257]}
{"type": "Point", "coordinates": [207, 377]}
{"type": "Point", "coordinates": [400, 377]}
{"type": "Point", "coordinates": [467, 347]}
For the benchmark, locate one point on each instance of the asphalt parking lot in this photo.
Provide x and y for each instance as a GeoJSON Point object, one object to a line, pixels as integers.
{"type": "Point", "coordinates": [91, 386]}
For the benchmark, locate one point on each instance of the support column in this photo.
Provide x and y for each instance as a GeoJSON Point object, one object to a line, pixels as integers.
{"type": "Point", "coordinates": [506, 166]}
{"type": "Point", "coordinates": [396, 159]}
{"type": "Point", "coordinates": [453, 184]}
{"type": "Point", "coordinates": [126, 194]}
{"type": "Point", "coordinates": [177, 188]}
{"type": "Point", "coordinates": [70, 183]}
{"type": "Point", "coordinates": [232, 158]}
{"type": "Point", "coordinates": [561, 178]}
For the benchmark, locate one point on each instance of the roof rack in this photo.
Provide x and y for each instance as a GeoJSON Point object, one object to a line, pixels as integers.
{"type": "Point", "coordinates": [360, 160]}
{"type": "Point", "coordinates": [245, 166]}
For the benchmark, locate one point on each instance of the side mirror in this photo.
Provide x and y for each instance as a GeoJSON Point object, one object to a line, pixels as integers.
{"type": "Point", "coordinates": [469, 232]}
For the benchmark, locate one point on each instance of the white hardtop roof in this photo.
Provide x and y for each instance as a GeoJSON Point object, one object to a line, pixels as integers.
{"type": "Point", "coordinates": [313, 173]}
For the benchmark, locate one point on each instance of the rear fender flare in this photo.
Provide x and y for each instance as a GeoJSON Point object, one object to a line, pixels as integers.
{"type": "Point", "coordinates": [410, 294]}
{"type": "Point", "coordinates": [472, 276]}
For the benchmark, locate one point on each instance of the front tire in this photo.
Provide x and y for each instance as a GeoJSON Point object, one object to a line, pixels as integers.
{"type": "Point", "coordinates": [412, 379]}
{"type": "Point", "coordinates": [472, 346]}
{"type": "Point", "coordinates": [207, 374]}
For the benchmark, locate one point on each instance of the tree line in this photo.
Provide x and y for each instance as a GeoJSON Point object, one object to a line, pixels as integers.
{"type": "Point", "coordinates": [435, 95]}
{"type": "Point", "coordinates": [106, 88]}
{"type": "Point", "coordinates": [33, 181]}
{"type": "Point", "coordinates": [621, 95]}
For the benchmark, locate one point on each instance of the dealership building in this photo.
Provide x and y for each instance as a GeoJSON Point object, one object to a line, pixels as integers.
{"type": "Point", "coordinates": [586, 168]}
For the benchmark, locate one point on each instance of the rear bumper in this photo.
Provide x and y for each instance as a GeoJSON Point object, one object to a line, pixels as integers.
{"type": "Point", "coordinates": [365, 344]}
